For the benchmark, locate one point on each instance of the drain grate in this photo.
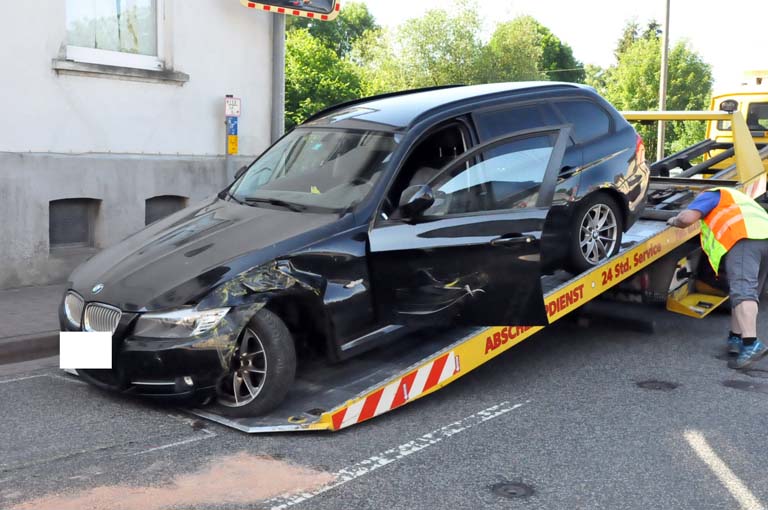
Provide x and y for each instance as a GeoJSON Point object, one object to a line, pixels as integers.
{"type": "Point", "coordinates": [655, 385]}
{"type": "Point", "coordinates": [512, 490]}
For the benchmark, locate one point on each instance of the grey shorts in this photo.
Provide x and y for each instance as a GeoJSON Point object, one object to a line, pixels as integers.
{"type": "Point", "coordinates": [746, 265]}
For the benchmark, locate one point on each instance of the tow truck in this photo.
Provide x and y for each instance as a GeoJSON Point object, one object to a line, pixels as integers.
{"type": "Point", "coordinates": [656, 263]}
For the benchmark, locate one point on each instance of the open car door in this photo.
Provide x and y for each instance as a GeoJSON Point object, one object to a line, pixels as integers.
{"type": "Point", "coordinates": [473, 256]}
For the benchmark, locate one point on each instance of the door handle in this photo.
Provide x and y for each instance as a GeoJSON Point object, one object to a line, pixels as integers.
{"type": "Point", "coordinates": [512, 239]}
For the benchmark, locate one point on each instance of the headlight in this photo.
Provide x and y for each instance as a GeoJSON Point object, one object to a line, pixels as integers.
{"type": "Point", "coordinates": [73, 308]}
{"type": "Point", "coordinates": [181, 323]}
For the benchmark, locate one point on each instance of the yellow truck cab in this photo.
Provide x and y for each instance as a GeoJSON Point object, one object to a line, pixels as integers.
{"type": "Point", "coordinates": [751, 99]}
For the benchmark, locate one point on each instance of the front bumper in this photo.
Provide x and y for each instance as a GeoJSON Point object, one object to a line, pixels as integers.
{"type": "Point", "coordinates": [183, 368]}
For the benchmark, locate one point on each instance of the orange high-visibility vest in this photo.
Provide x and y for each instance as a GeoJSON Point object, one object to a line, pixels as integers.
{"type": "Point", "coordinates": [735, 217]}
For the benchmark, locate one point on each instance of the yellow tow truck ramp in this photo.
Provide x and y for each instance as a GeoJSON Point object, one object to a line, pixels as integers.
{"type": "Point", "coordinates": [334, 397]}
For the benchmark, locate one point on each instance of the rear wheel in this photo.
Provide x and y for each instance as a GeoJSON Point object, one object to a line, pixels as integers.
{"type": "Point", "coordinates": [262, 368]}
{"type": "Point", "coordinates": [596, 231]}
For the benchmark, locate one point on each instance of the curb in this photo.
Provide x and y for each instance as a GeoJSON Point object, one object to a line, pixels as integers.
{"type": "Point", "coordinates": [28, 347]}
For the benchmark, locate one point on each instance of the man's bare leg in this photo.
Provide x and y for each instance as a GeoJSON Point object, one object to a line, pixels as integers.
{"type": "Point", "coordinates": [744, 317]}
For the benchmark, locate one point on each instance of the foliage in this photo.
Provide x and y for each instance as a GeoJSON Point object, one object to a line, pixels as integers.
{"type": "Point", "coordinates": [327, 63]}
{"type": "Point", "coordinates": [633, 84]}
{"type": "Point", "coordinates": [340, 35]}
{"type": "Point", "coordinates": [315, 77]}
{"type": "Point", "coordinates": [513, 53]}
{"type": "Point", "coordinates": [440, 49]}
{"type": "Point", "coordinates": [557, 58]}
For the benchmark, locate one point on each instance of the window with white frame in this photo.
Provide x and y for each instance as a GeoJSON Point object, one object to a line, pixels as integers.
{"type": "Point", "coordinates": [126, 33]}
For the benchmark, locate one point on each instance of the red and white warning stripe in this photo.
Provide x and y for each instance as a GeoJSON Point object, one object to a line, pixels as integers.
{"type": "Point", "coordinates": [756, 187]}
{"type": "Point", "coordinates": [293, 12]}
{"type": "Point", "coordinates": [399, 392]}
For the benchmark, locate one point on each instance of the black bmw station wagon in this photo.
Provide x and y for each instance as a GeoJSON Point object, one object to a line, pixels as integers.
{"type": "Point", "coordinates": [435, 206]}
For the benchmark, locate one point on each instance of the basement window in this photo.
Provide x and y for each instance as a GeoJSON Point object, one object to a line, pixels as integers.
{"type": "Point", "coordinates": [157, 208]}
{"type": "Point", "coordinates": [71, 222]}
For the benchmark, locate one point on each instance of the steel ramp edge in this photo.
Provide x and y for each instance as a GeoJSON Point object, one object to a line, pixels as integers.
{"type": "Point", "coordinates": [455, 353]}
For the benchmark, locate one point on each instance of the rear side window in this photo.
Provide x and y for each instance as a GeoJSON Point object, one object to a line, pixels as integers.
{"type": "Point", "coordinates": [494, 123]}
{"type": "Point", "coordinates": [588, 119]}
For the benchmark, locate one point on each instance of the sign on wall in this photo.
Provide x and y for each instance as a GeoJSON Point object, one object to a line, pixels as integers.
{"type": "Point", "coordinates": [232, 106]}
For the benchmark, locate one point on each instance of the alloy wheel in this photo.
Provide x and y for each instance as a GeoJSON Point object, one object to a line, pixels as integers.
{"type": "Point", "coordinates": [248, 372]}
{"type": "Point", "coordinates": [598, 233]}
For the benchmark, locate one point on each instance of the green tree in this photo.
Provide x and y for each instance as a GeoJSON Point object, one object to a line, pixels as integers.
{"type": "Point", "coordinates": [596, 77]}
{"type": "Point", "coordinates": [353, 22]}
{"type": "Point", "coordinates": [513, 53]}
{"type": "Point", "coordinates": [631, 34]}
{"type": "Point", "coordinates": [557, 59]}
{"type": "Point", "coordinates": [440, 48]}
{"type": "Point", "coordinates": [315, 77]}
{"type": "Point", "coordinates": [633, 84]}
{"type": "Point", "coordinates": [379, 66]}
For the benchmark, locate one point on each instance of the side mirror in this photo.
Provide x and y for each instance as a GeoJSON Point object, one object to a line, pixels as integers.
{"type": "Point", "coordinates": [241, 171]}
{"type": "Point", "coordinates": [415, 200]}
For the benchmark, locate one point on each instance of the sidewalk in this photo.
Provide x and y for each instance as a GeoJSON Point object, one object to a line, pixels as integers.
{"type": "Point", "coordinates": [29, 324]}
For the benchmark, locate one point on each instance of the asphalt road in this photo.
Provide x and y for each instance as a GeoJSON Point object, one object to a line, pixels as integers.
{"type": "Point", "coordinates": [562, 413]}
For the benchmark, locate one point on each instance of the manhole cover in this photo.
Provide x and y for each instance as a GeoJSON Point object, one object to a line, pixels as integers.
{"type": "Point", "coordinates": [512, 490]}
{"type": "Point", "coordinates": [657, 385]}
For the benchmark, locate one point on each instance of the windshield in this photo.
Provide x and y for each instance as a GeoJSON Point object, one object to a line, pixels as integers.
{"type": "Point", "coordinates": [330, 169]}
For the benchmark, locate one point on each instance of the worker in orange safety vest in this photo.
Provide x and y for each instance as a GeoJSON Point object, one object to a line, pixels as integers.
{"type": "Point", "coordinates": [734, 226]}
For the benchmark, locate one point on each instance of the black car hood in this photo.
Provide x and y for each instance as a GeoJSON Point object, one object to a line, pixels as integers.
{"type": "Point", "coordinates": [180, 258]}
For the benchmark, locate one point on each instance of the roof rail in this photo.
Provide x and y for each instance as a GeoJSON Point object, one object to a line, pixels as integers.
{"type": "Point", "coordinates": [346, 104]}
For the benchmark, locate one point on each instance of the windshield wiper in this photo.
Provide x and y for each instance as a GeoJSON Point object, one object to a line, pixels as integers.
{"type": "Point", "coordinates": [275, 201]}
{"type": "Point", "coordinates": [226, 194]}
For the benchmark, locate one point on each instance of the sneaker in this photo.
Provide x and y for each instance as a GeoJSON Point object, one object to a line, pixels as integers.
{"type": "Point", "coordinates": [734, 345]}
{"type": "Point", "coordinates": [749, 354]}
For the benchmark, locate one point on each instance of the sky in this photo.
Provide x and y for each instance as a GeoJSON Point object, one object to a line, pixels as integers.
{"type": "Point", "coordinates": [592, 27]}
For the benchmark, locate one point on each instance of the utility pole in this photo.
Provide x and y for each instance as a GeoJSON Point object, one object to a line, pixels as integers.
{"type": "Point", "coordinates": [663, 83]}
{"type": "Point", "coordinates": [278, 76]}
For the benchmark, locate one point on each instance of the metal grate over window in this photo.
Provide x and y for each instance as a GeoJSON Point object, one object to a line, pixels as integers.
{"type": "Point", "coordinates": [71, 222]}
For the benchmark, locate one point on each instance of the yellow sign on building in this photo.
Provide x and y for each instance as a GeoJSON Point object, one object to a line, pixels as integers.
{"type": "Point", "coordinates": [231, 144]}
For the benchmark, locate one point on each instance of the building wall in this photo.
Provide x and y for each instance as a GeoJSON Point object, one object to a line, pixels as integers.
{"type": "Point", "coordinates": [115, 139]}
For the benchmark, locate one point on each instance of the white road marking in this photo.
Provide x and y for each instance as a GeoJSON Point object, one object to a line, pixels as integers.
{"type": "Point", "coordinates": [208, 435]}
{"type": "Point", "coordinates": [23, 378]}
{"type": "Point", "coordinates": [737, 488]}
{"type": "Point", "coordinates": [67, 379]}
{"type": "Point", "coordinates": [394, 454]}
{"type": "Point", "coordinates": [37, 376]}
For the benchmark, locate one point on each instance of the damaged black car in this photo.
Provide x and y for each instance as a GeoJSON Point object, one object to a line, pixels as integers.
{"type": "Point", "coordinates": [372, 219]}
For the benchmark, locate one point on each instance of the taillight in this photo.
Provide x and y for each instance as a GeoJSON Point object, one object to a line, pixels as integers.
{"type": "Point", "coordinates": [640, 150]}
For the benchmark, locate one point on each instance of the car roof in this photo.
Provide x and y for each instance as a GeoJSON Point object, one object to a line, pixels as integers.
{"type": "Point", "coordinates": [400, 110]}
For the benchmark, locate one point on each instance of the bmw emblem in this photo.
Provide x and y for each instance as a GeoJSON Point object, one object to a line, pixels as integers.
{"type": "Point", "coordinates": [97, 288]}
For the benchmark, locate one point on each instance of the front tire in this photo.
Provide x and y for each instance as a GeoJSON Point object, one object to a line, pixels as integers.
{"type": "Point", "coordinates": [596, 231]}
{"type": "Point", "coordinates": [262, 368]}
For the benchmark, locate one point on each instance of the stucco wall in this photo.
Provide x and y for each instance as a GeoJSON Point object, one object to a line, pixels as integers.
{"type": "Point", "coordinates": [223, 47]}
{"type": "Point", "coordinates": [121, 183]}
{"type": "Point", "coordinates": [119, 140]}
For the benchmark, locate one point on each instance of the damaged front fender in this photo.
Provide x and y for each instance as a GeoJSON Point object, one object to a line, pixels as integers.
{"type": "Point", "coordinates": [246, 294]}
